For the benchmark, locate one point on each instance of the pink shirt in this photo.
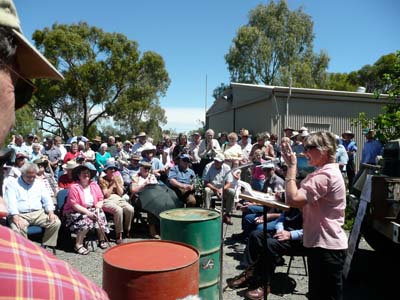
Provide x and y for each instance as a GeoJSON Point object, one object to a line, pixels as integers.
{"type": "Point", "coordinates": [323, 216]}
{"type": "Point", "coordinates": [76, 195]}
{"type": "Point", "coordinates": [258, 172]}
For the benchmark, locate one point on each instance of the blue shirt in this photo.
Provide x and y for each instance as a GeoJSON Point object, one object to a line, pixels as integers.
{"type": "Point", "coordinates": [350, 146]}
{"type": "Point", "coordinates": [128, 172]}
{"type": "Point", "coordinates": [341, 155]}
{"type": "Point", "coordinates": [22, 197]}
{"type": "Point", "coordinates": [156, 164]}
{"type": "Point", "coordinates": [180, 175]}
{"type": "Point", "coordinates": [372, 148]}
{"type": "Point", "coordinates": [217, 177]}
{"type": "Point", "coordinates": [295, 235]}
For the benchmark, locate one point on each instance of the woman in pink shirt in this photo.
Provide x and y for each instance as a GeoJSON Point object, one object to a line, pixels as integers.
{"type": "Point", "coordinates": [257, 173]}
{"type": "Point", "coordinates": [83, 208]}
{"type": "Point", "coordinates": [322, 197]}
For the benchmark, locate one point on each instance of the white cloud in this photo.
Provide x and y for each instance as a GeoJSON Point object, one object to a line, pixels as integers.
{"type": "Point", "coordinates": [184, 119]}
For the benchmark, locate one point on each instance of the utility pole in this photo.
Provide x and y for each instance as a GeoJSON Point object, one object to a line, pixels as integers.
{"type": "Point", "coordinates": [205, 100]}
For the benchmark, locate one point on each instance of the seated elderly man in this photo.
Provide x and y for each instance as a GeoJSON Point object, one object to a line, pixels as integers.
{"type": "Point", "coordinates": [29, 203]}
{"type": "Point", "coordinates": [48, 180]}
{"type": "Point", "coordinates": [217, 180]}
{"type": "Point", "coordinates": [180, 179]}
{"type": "Point", "coordinates": [131, 170]}
{"type": "Point", "coordinates": [262, 256]}
{"type": "Point", "coordinates": [252, 214]}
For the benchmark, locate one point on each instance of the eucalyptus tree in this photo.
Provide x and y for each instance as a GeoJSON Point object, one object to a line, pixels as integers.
{"type": "Point", "coordinates": [106, 78]}
{"type": "Point", "coordinates": [276, 47]}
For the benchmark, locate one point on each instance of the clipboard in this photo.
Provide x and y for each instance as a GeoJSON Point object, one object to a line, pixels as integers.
{"type": "Point", "coordinates": [264, 199]}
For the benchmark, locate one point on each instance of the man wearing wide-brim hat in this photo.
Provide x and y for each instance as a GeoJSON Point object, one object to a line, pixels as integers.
{"type": "Point", "coordinates": [148, 153]}
{"type": "Point", "coordinates": [112, 186]}
{"type": "Point", "coordinates": [141, 141]}
{"type": "Point", "coordinates": [351, 148]}
{"type": "Point", "coordinates": [20, 62]}
{"type": "Point", "coordinates": [96, 142]}
{"type": "Point", "coordinates": [288, 131]}
{"type": "Point", "coordinates": [131, 169]}
{"type": "Point", "coordinates": [181, 178]}
{"type": "Point", "coordinates": [372, 147]}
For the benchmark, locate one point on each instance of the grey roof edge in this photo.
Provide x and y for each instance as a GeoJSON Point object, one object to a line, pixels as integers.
{"type": "Point", "coordinates": [306, 90]}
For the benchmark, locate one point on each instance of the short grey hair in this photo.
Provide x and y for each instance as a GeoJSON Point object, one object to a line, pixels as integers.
{"type": "Point", "coordinates": [324, 141]}
{"type": "Point", "coordinates": [210, 131]}
{"type": "Point", "coordinates": [28, 167]}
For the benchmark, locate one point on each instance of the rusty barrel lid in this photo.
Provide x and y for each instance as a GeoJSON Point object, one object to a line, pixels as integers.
{"type": "Point", "coordinates": [151, 256]}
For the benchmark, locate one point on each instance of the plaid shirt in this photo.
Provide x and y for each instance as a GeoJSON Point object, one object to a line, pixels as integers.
{"type": "Point", "coordinates": [29, 272]}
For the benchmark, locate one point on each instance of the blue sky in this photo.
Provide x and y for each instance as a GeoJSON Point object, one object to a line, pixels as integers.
{"type": "Point", "coordinates": [194, 36]}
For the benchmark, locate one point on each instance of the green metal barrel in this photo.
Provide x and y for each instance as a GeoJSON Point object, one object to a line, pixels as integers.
{"type": "Point", "coordinates": [200, 228]}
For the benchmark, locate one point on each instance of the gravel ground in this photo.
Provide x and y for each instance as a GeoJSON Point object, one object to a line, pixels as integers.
{"type": "Point", "coordinates": [361, 285]}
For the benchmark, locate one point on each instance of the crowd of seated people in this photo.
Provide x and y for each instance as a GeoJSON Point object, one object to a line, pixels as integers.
{"type": "Point", "coordinates": [179, 164]}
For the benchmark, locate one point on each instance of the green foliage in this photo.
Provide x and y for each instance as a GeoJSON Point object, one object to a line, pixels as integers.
{"type": "Point", "coordinates": [373, 77]}
{"type": "Point", "coordinates": [219, 90]}
{"type": "Point", "coordinates": [24, 122]}
{"type": "Point", "coordinates": [350, 216]}
{"type": "Point", "coordinates": [276, 45]}
{"type": "Point", "coordinates": [105, 76]}
{"type": "Point", "coordinates": [387, 123]}
{"type": "Point", "coordinates": [339, 82]}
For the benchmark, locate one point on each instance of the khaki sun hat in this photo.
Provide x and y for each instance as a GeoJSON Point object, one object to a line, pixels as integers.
{"type": "Point", "coordinates": [71, 164]}
{"type": "Point", "coordinates": [145, 164]}
{"type": "Point", "coordinates": [32, 64]}
{"type": "Point", "coordinates": [141, 134]}
{"type": "Point", "coordinates": [349, 133]}
{"type": "Point", "coordinates": [97, 139]}
{"type": "Point", "coordinates": [219, 157]}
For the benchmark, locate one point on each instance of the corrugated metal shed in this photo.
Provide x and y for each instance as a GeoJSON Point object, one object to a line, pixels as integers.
{"type": "Point", "coordinates": [271, 108]}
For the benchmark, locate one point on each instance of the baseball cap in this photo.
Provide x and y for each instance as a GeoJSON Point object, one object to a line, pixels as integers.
{"type": "Point", "coordinates": [185, 157]}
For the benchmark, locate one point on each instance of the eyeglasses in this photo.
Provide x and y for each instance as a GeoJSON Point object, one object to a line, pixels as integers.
{"type": "Point", "coordinates": [309, 147]}
{"type": "Point", "coordinates": [23, 88]}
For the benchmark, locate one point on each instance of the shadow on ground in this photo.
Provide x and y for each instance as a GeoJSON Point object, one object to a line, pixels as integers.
{"type": "Point", "coordinates": [372, 276]}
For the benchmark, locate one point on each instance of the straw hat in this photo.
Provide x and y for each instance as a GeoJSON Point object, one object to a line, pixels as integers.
{"type": "Point", "coordinates": [145, 164]}
{"type": "Point", "coordinates": [135, 157]}
{"type": "Point", "coordinates": [348, 132]}
{"type": "Point", "coordinates": [97, 139]}
{"type": "Point", "coordinates": [219, 157]}
{"type": "Point", "coordinates": [141, 134]}
{"type": "Point", "coordinates": [148, 147]}
{"type": "Point", "coordinates": [71, 164]}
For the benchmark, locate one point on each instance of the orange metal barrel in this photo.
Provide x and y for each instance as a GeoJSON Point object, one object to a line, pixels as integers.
{"type": "Point", "coordinates": [151, 270]}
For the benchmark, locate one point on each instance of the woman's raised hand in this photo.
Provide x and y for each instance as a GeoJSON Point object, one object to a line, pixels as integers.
{"type": "Point", "coordinates": [288, 155]}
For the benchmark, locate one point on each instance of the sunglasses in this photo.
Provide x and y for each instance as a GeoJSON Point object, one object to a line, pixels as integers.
{"type": "Point", "coordinates": [309, 147]}
{"type": "Point", "coordinates": [23, 88]}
